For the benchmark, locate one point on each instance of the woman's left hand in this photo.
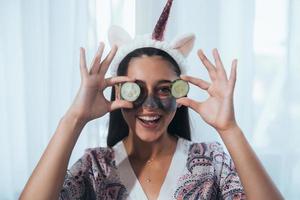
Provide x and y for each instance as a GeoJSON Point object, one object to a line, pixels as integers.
{"type": "Point", "coordinates": [217, 110]}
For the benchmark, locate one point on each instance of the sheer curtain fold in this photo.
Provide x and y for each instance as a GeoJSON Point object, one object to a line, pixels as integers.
{"type": "Point", "coordinates": [12, 98]}
{"type": "Point", "coordinates": [39, 76]}
{"type": "Point", "coordinates": [266, 96]}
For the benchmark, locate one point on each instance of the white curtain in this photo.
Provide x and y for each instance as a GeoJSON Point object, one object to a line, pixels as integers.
{"type": "Point", "coordinates": [39, 76]}
{"type": "Point", "coordinates": [264, 36]}
{"type": "Point", "coordinates": [39, 73]}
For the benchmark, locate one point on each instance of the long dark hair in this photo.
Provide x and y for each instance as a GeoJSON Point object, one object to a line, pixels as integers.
{"type": "Point", "coordinates": [118, 128]}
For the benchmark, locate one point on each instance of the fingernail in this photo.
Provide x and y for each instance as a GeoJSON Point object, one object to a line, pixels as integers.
{"type": "Point", "coordinates": [82, 50]}
{"type": "Point", "coordinates": [101, 46]}
{"type": "Point", "coordinates": [201, 54]}
{"type": "Point", "coordinates": [215, 51]}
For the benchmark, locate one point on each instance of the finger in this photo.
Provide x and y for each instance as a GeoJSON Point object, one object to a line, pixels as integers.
{"type": "Point", "coordinates": [117, 91]}
{"type": "Point", "coordinates": [198, 82]}
{"type": "Point", "coordinates": [219, 65]}
{"type": "Point", "coordinates": [83, 68]}
{"type": "Point", "coordinates": [119, 104]}
{"type": "Point", "coordinates": [208, 65]}
{"type": "Point", "coordinates": [189, 103]}
{"type": "Point", "coordinates": [107, 61]}
{"type": "Point", "coordinates": [232, 77]}
{"type": "Point", "coordinates": [117, 79]}
{"type": "Point", "coordinates": [97, 59]}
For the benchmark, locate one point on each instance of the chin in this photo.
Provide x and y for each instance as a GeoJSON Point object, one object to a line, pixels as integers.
{"type": "Point", "coordinates": [151, 133]}
{"type": "Point", "coordinates": [149, 136]}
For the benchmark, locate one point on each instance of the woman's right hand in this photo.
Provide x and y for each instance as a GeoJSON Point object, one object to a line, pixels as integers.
{"type": "Point", "coordinates": [90, 102]}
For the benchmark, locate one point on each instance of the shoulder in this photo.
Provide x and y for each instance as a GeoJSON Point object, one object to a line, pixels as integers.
{"type": "Point", "coordinates": [94, 159]}
{"type": "Point", "coordinates": [204, 155]}
{"type": "Point", "coordinates": [93, 176]}
{"type": "Point", "coordinates": [209, 150]}
{"type": "Point", "coordinates": [99, 154]}
{"type": "Point", "coordinates": [205, 148]}
{"type": "Point", "coordinates": [211, 153]}
{"type": "Point", "coordinates": [202, 170]}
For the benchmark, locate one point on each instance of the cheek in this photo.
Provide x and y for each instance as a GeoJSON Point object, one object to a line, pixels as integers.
{"type": "Point", "coordinates": [128, 115]}
{"type": "Point", "coordinates": [168, 105]}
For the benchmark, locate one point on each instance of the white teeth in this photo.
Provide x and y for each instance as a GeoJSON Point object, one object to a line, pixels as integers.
{"type": "Point", "coordinates": [149, 118]}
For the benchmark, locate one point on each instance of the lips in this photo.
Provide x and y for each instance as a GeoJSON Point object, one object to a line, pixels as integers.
{"type": "Point", "coordinates": [149, 118]}
{"type": "Point", "coordinates": [149, 121]}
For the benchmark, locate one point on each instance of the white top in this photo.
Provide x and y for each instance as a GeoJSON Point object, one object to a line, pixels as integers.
{"type": "Point", "coordinates": [132, 183]}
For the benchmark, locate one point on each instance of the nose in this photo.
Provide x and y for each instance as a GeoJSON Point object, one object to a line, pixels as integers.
{"type": "Point", "coordinates": [150, 102]}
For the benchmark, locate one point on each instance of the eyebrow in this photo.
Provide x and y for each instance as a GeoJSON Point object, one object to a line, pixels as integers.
{"type": "Point", "coordinates": [164, 81]}
{"type": "Point", "coordinates": [158, 82]}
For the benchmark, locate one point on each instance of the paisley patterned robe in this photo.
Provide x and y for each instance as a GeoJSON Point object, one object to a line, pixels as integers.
{"type": "Point", "coordinates": [197, 171]}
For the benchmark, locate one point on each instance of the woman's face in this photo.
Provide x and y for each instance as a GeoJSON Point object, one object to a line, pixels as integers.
{"type": "Point", "coordinates": [155, 108]}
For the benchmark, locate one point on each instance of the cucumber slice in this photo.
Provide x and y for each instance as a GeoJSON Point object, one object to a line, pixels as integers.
{"type": "Point", "coordinates": [130, 91]}
{"type": "Point", "coordinates": [180, 88]}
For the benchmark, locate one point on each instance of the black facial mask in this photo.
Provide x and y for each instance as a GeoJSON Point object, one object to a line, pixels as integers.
{"type": "Point", "coordinates": [167, 104]}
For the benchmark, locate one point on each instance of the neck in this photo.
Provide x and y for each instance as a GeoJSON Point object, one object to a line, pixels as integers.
{"type": "Point", "coordinates": [144, 151]}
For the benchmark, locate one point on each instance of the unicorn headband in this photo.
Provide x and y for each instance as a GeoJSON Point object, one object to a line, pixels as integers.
{"type": "Point", "coordinates": [178, 49]}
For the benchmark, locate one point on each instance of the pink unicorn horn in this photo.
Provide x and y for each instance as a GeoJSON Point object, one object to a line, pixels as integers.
{"type": "Point", "coordinates": [158, 33]}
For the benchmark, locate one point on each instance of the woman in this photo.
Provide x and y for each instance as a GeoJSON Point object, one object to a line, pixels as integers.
{"type": "Point", "coordinates": [149, 153]}
{"type": "Point", "coordinates": [144, 145]}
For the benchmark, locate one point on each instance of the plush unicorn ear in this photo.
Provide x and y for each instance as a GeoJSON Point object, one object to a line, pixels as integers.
{"type": "Point", "coordinates": [118, 36]}
{"type": "Point", "coordinates": [184, 44]}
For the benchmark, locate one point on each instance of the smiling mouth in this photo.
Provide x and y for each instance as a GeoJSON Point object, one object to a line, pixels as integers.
{"type": "Point", "coordinates": [149, 121]}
